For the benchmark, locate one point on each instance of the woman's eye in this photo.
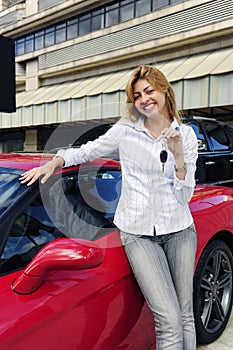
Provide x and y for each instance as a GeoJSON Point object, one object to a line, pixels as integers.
{"type": "Point", "coordinates": [136, 97]}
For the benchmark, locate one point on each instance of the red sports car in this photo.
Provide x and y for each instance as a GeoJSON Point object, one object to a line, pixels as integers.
{"type": "Point", "coordinates": [65, 282]}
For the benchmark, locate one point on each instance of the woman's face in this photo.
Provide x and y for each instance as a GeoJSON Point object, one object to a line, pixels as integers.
{"type": "Point", "coordinates": [149, 101]}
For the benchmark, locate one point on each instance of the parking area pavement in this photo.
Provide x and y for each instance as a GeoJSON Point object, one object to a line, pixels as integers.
{"type": "Point", "coordinates": [224, 342]}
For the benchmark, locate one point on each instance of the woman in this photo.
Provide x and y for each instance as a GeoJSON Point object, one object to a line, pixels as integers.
{"type": "Point", "coordinates": [158, 160]}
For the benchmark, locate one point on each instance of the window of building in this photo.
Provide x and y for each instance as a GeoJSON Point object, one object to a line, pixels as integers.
{"type": "Point", "coordinates": [50, 36]}
{"type": "Point", "coordinates": [127, 10]}
{"type": "Point", "coordinates": [112, 15]}
{"type": "Point", "coordinates": [19, 47]}
{"type": "Point", "coordinates": [14, 2]}
{"type": "Point", "coordinates": [12, 146]}
{"type": "Point", "coordinates": [157, 4]}
{"type": "Point", "coordinates": [97, 21]}
{"type": "Point", "coordinates": [84, 24]}
{"type": "Point", "coordinates": [29, 43]}
{"type": "Point", "coordinates": [142, 7]}
{"type": "Point", "coordinates": [39, 40]}
{"type": "Point", "coordinates": [60, 33]}
{"type": "Point", "coordinates": [72, 29]}
{"type": "Point", "coordinates": [104, 16]}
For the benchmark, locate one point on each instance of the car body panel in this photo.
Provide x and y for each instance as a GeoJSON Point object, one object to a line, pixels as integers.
{"type": "Point", "coordinates": [211, 207]}
{"type": "Point", "coordinates": [98, 307]}
{"type": "Point", "coordinates": [78, 307]}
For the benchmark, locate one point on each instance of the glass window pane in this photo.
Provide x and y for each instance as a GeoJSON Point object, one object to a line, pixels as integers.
{"type": "Point", "coordinates": [84, 25]}
{"type": "Point", "coordinates": [112, 15]}
{"type": "Point", "coordinates": [98, 12]}
{"type": "Point", "coordinates": [202, 143]}
{"type": "Point", "coordinates": [97, 22]}
{"type": "Point", "coordinates": [30, 231]}
{"type": "Point", "coordinates": [11, 190]}
{"type": "Point", "coordinates": [127, 12]}
{"type": "Point", "coordinates": [229, 130]}
{"type": "Point", "coordinates": [29, 44]}
{"type": "Point", "coordinates": [126, 2]}
{"type": "Point", "coordinates": [91, 197]}
{"type": "Point", "coordinates": [112, 7]}
{"type": "Point", "coordinates": [217, 136]}
{"type": "Point", "coordinates": [19, 47]}
{"type": "Point", "coordinates": [50, 36]}
{"type": "Point", "coordinates": [159, 3]}
{"type": "Point", "coordinates": [40, 33]}
{"type": "Point", "coordinates": [60, 34]}
{"type": "Point", "coordinates": [72, 29]}
{"type": "Point", "coordinates": [39, 40]}
{"type": "Point", "coordinates": [143, 7]}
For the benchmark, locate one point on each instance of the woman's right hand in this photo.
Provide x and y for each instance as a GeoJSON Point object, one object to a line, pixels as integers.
{"type": "Point", "coordinates": [46, 170]}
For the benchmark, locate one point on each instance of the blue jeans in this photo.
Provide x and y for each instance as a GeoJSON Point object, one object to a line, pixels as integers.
{"type": "Point", "coordinates": [163, 267]}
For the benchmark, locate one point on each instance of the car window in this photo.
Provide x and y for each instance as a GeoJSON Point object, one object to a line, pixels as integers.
{"type": "Point", "coordinates": [79, 205]}
{"type": "Point", "coordinates": [10, 188]}
{"type": "Point", "coordinates": [30, 231]}
{"type": "Point", "coordinates": [229, 130]}
{"type": "Point", "coordinates": [217, 136]}
{"type": "Point", "coordinates": [202, 143]}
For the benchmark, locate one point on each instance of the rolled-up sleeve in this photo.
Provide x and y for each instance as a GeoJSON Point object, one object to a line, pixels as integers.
{"type": "Point", "coordinates": [184, 188]}
{"type": "Point", "coordinates": [102, 146]}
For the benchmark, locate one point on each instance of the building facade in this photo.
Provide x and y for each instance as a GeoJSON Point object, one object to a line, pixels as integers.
{"type": "Point", "coordinates": [74, 57]}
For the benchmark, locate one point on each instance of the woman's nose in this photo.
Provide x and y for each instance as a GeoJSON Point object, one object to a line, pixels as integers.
{"type": "Point", "coordinates": [144, 98]}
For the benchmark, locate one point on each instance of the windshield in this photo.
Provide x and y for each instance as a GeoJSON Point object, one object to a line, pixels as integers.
{"type": "Point", "coordinates": [10, 187]}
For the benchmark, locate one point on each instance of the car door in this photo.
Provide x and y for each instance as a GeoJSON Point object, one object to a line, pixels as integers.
{"type": "Point", "coordinates": [229, 131]}
{"type": "Point", "coordinates": [206, 167]}
{"type": "Point", "coordinates": [221, 149]}
{"type": "Point", "coordinates": [66, 286]}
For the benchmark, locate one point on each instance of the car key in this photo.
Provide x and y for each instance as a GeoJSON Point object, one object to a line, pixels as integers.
{"type": "Point", "coordinates": [163, 156]}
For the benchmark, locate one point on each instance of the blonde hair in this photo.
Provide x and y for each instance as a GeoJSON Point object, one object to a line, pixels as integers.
{"type": "Point", "coordinates": [159, 82]}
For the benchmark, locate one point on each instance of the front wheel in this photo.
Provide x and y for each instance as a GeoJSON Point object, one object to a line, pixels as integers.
{"type": "Point", "coordinates": [213, 291]}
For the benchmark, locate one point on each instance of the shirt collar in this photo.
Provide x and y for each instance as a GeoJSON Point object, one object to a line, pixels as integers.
{"type": "Point", "coordinates": [175, 124]}
{"type": "Point", "coordinates": [139, 124]}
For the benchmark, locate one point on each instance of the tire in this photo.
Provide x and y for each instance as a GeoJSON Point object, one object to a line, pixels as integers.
{"type": "Point", "coordinates": [212, 295]}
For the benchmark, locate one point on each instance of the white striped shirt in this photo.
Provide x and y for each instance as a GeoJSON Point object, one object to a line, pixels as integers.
{"type": "Point", "coordinates": [151, 199]}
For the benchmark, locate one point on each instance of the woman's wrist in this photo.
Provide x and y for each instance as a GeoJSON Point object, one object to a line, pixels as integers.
{"type": "Point", "coordinates": [179, 161]}
{"type": "Point", "coordinates": [58, 162]}
{"type": "Point", "coordinates": [180, 167]}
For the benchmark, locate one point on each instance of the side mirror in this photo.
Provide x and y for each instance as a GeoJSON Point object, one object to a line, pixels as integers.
{"type": "Point", "coordinates": [202, 146]}
{"type": "Point", "coordinates": [60, 254]}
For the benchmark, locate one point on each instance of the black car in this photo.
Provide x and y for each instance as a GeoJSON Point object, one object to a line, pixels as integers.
{"type": "Point", "coordinates": [215, 149]}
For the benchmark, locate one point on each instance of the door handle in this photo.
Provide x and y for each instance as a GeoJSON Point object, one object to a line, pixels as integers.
{"type": "Point", "coordinates": [210, 163]}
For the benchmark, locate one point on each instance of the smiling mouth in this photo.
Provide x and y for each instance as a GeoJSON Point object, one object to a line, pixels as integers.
{"type": "Point", "coordinates": [149, 107]}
